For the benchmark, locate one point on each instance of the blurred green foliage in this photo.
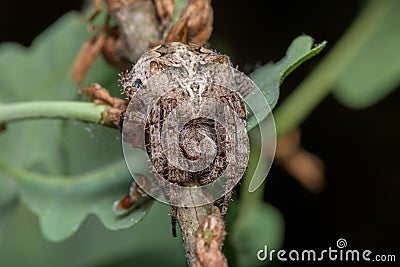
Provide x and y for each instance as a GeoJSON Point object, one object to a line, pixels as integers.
{"type": "Point", "coordinates": [374, 70]}
{"type": "Point", "coordinates": [147, 244]}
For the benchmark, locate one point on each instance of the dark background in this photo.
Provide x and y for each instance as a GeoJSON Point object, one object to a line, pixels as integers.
{"type": "Point", "coordinates": [359, 147]}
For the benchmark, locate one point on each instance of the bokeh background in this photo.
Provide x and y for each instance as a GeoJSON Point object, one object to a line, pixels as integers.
{"type": "Point", "coordinates": [360, 148]}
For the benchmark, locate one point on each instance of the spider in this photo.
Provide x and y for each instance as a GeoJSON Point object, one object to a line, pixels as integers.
{"type": "Point", "coordinates": [200, 137]}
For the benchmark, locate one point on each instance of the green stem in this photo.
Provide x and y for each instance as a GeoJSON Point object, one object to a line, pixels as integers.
{"type": "Point", "coordinates": [259, 162]}
{"type": "Point", "coordinates": [83, 111]}
{"type": "Point", "coordinates": [319, 83]}
{"type": "Point", "coordinates": [247, 199]}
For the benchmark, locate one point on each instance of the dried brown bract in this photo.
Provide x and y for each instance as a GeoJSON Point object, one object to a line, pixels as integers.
{"type": "Point", "coordinates": [209, 240]}
{"type": "Point", "coordinates": [194, 25]}
{"type": "Point", "coordinates": [165, 10]}
{"type": "Point", "coordinates": [100, 96]}
{"type": "Point", "coordinates": [86, 56]}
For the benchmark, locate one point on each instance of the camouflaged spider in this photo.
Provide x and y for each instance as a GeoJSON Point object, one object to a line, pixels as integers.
{"type": "Point", "coordinates": [199, 137]}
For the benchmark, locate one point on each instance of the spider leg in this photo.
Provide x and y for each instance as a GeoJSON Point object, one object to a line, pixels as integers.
{"type": "Point", "coordinates": [173, 220]}
{"type": "Point", "coordinates": [225, 205]}
{"type": "Point", "coordinates": [233, 144]}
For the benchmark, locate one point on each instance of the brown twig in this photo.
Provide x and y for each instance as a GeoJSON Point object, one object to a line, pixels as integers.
{"type": "Point", "coordinates": [203, 233]}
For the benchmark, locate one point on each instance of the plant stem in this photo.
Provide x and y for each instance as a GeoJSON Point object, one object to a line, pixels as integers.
{"type": "Point", "coordinates": [88, 112]}
{"type": "Point", "coordinates": [319, 83]}
{"type": "Point", "coordinates": [189, 220]}
{"type": "Point", "coordinates": [247, 199]}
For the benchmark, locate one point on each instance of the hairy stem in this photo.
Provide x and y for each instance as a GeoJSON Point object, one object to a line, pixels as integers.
{"type": "Point", "coordinates": [82, 111]}
{"type": "Point", "coordinates": [203, 232]}
{"type": "Point", "coordinates": [319, 83]}
{"type": "Point", "coordinates": [189, 220]}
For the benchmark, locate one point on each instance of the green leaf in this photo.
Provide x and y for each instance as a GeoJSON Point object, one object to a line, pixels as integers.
{"type": "Point", "coordinates": [71, 169]}
{"type": "Point", "coordinates": [147, 244]}
{"type": "Point", "coordinates": [270, 76]}
{"type": "Point", "coordinates": [374, 70]}
{"type": "Point", "coordinates": [259, 226]}
{"type": "Point", "coordinates": [62, 203]}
